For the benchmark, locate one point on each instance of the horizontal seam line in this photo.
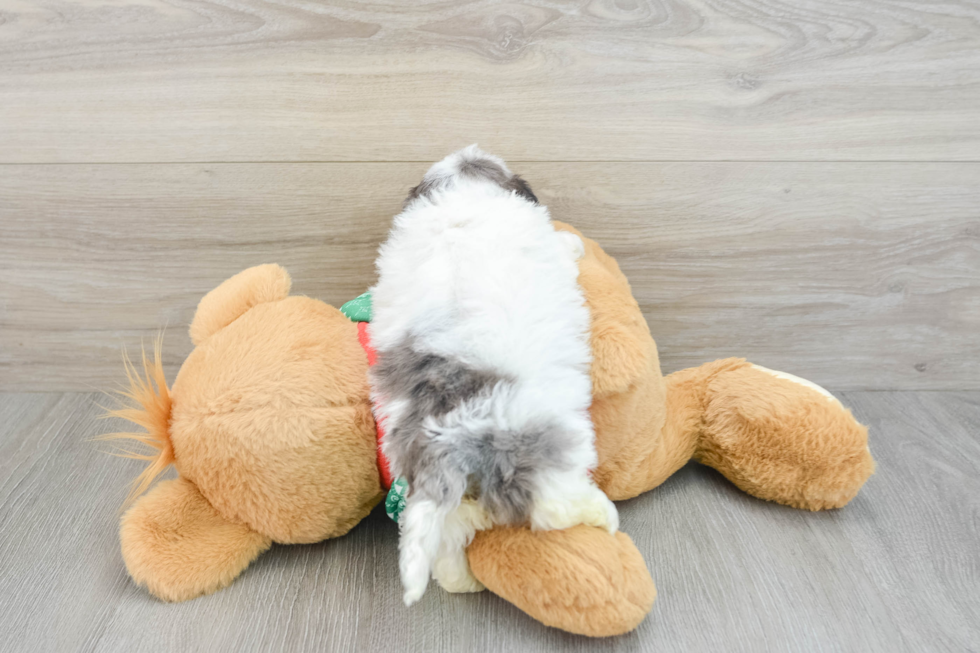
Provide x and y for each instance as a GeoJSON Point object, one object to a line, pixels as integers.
{"type": "Point", "coordinates": [510, 161]}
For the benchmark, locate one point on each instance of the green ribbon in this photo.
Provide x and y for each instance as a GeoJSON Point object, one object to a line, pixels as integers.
{"type": "Point", "coordinates": [358, 309]}
{"type": "Point", "coordinates": [395, 501]}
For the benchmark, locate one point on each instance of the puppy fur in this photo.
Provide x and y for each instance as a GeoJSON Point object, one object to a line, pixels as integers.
{"type": "Point", "coordinates": [483, 371]}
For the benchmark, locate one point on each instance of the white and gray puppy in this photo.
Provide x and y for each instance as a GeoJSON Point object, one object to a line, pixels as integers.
{"type": "Point", "coordinates": [482, 335]}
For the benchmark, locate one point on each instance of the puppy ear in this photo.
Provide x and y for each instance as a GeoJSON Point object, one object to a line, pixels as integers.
{"type": "Point", "coordinates": [177, 545]}
{"type": "Point", "coordinates": [230, 300]}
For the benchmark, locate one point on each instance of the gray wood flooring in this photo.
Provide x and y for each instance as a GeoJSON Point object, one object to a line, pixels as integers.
{"type": "Point", "coordinates": [896, 570]}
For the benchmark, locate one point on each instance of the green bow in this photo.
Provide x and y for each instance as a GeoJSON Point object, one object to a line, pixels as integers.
{"type": "Point", "coordinates": [358, 309]}
{"type": "Point", "coordinates": [395, 501]}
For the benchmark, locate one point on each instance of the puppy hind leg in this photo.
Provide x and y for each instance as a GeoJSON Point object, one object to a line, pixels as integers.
{"type": "Point", "coordinates": [563, 499]}
{"type": "Point", "coordinates": [435, 492]}
{"type": "Point", "coordinates": [451, 568]}
{"type": "Point", "coordinates": [421, 532]}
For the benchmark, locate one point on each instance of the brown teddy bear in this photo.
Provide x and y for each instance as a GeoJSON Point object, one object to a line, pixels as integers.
{"type": "Point", "coordinates": [269, 425]}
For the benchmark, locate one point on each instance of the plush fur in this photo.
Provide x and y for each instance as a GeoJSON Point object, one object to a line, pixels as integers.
{"type": "Point", "coordinates": [483, 374]}
{"type": "Point", "coordinates": [580, 579]}
{"type": "Point", "coordinates": [151, 412]}
{"type": "Point", "coordinates": [774, 437]}
{"type": "Point", "coordinates": [229, 301]}
{"type": "Point", "coordinates": [751, 410]}
{"type": "Point", "coordinates": [258, 427]}
{"type": "Point", "coordinates": [177, 545]}
{"type": "Point", "coordinates": [268, 421]}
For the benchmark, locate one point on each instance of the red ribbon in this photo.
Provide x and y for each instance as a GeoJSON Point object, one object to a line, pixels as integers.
{"type": "Point", "coordinates": [372, 356]}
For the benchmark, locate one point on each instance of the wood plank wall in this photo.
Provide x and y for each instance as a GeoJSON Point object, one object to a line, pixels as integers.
{"type": "Point", "coordinates": [798, 183]}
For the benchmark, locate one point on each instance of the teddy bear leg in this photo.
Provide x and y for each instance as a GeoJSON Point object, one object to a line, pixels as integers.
{"type": "Point", "coordinates": [582, 580]}
{"type": "Point", "coordinates": [782, 438]}
{"type": "Point", "coordinates": [177, 545]}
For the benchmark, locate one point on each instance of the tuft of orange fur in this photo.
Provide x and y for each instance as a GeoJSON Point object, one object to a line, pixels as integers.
{"type": "Point", "coordinates": [148, 406]}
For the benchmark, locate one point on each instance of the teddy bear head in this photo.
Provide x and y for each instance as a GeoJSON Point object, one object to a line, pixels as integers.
{"type": "Point", "coordinates": [271, 417]}
{"type": "Point", "coordinates": [269, 426]}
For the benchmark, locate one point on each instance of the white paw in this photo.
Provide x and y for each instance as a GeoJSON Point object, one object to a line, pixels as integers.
{"type": "Point", "coordinates": [453, 575]}
{"type": "Point", "coordinates": [451, 569]}
{"type": "Point", "coordinates": [573, 243]}
{"type": "Point", "coordinates": [471, 517]}
{"type": "Point", "coordinates": [412, 595]}
{"type": "Point", "coordinates": [415, 575]}
{"type": "Point", "coordinates": [592, 508]}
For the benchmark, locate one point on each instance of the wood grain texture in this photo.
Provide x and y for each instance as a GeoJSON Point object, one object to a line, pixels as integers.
{"type": "Point", "coordinates": [852, 275]}
{"type": "Point", "coordinates": [293, 80]}
{"type": "Point", "coordinates": [896, 570]}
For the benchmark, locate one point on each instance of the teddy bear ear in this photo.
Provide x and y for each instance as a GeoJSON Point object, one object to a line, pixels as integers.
{"type": "Point", "coordinates": [230, 300]}
{"type": "Point", "coordinates": [178, 546]}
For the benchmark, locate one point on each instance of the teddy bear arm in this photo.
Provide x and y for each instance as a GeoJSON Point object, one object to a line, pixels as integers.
{"type": "Point", "coordinates": [177, 545]}
{"type": "Point", "coordinates": [621, 343]}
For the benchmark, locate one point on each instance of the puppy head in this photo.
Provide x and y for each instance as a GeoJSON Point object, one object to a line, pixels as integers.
{"type": "Point", "coordinates": [470, 163]}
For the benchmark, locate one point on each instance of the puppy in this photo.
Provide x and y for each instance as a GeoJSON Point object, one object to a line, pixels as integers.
{"type": "Point", "coordinates": [482, 378]}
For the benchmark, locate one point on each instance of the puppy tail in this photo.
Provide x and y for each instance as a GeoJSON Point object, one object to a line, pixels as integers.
{"type": "Point", "coordinates": [150, 409]}
{"type": "Point", "coordinates": [422, 525]}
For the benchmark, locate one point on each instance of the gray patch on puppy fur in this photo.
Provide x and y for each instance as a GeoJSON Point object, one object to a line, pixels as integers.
{"type": "Point", "coordinates": [424, 189]}
{"type": "Point", "coordinates": [484, 169]}
{"type": "Point", "coordinates": [517, 184]}
{"type": "Point", "coordinates": [487, 169]}
{"type": "Point", "coordinates": [435, 384]}
{"type": "Point", "coordinates": [500, 465]}
{"type": "Point", "coordinates": [477, 169]}
{"type": "Point", "coordinates": [506, 464]}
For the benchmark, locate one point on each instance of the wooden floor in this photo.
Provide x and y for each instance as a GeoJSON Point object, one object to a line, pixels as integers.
{"type": "Point", "coordinates": [896, 570]}
{"type": "Point", "coordinates": [797, 182]}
